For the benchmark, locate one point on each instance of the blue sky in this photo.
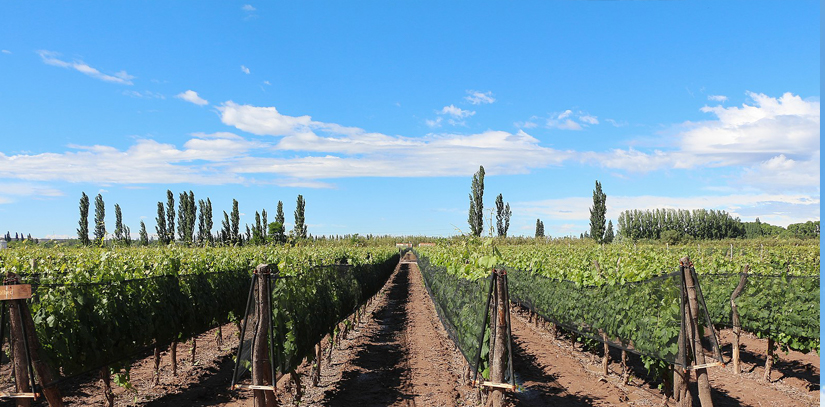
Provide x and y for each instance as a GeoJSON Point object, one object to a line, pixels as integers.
{"type": "Point", "coordinates": [379, 113]}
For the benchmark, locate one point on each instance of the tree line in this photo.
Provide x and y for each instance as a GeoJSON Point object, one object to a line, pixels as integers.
{"type": "Point", "coordinates": [476, 212]}
{"type": "Point", "coordinates": [191, 223]}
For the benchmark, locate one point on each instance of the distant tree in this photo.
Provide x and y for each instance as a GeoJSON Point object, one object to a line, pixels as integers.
{"type": "Point", "coordinates": [279, 218]}
{"type": "Point", "coordinates": [208, 217]}
{"type": "Point", "coordinates": [597, 214]}
{"type": "Point", "coordinates": [276, 232]}
{"type": "Point", "coordinates": [118, 224]}
{"type": "Point", "coordinates": [144, 237]}
{"type": "Point", "coordinates": [160, 228]}
{"type": "Point", "coordinates": [127, 236]}
{"type": "Point", "coordinates": [257, 236]}
{"type": "Point", "coordinates": [170, 216]}
{"type": "Point", "coordinates": [235, 218]}
{"type": "Point", "coordinates": [539, 228]}
{"type": "Point", "coordinates": [83, 229]}
{"type": "Point", "coordinates": [100, 220]}
{"type": "Point", "coordinates": [608, 235]}
{"type": "Point", "coordinates": [502, 216]}
{"type": "Point", "coordinates": [300, 230]}
{"type": "Point", "coordinates": [226, 229]}
{"type": "Point", "coordinates": [476, 212]}
{"type": "Point", "coordinates": [264, 223]}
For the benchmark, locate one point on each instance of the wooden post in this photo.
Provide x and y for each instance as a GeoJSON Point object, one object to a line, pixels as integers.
{"type": "Point", "coordinates": [194, 347]}
{"type": "Point", "coordinates": [156, 380]}
{"type": "Point", "coordinates": [606, 357]}
{"type": "Point", "coordinates": [625, 370]}
{"type": "Point", "coordinates": [261, 367]}
{"type": "Point", "coordinates": [769, 360]}
{"type": "Point", "coordinates": [737, 325]}
{"type": "Point", "coordinates": [498, 354]}
{"type": "Point", "coordinates": [173, 354]}
{"type": "Point", "coordinates": [316, 370]}
{"type": "Point", "coordinates": [106, 378]}
{"type": "Point", "coordinates": [44, 372]}
{"type": "Point", "coordinates": [219, 339]}
{"type": "Point", "coordinates": [693, 333]}
{"type": "Point", "coordinates": [21, 373]}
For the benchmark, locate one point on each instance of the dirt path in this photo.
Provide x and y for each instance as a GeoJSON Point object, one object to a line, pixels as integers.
{"type": "Point", "coordinates": [398, 355]}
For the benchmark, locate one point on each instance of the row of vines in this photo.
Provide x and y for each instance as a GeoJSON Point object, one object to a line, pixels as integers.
{"type": "Point", "coordinates": [93, 307]}
{"type": "Point", "coordinates": [629, 294]}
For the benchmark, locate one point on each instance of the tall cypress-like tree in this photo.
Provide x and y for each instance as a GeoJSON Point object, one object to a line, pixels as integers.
{"type": "Point", "coordinates": [160, 225]}
{"type": "Point", "coordinates": [263, 225]}
{"type": "Point", "coordinates": [170, 216]}
{"type": "Point", "coordinates": [100, 220]}
{"type": "Point", "coordinates": [476, 213]}
{"type": "Point", "coordinates": [119, 231]}
{"type": "Point", "coordinates": [191, 216]}
{"type": "Point", "coordinates": [539, 228]}
{"type": "Point", "coordinates": [597, 214]}
{"type": "Point", "coordinates": [83, 229]}
{"type": "Point", "coordinates": [608, 235]}
{"type": "Point", "coordinates": [208, 217]}
{"type": "Point", "coordinates": [226, 229]}
{"type": "Point", "coordinates": [144, 237]}
{"type": "Point", "coordinates": [502, 216]}
{"type": "Point", "coordinates": [300, 229]}
{"type": "Point", "coordinates": [235, 222]}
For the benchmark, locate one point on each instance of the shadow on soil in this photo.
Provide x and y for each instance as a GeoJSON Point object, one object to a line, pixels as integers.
{"type": "Point", "coordinates": [540, 388]}
{"type": "Point", "coordinates": [378, 373]}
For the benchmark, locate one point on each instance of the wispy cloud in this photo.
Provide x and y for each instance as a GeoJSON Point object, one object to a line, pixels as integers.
{"type": "Point", "coordinates": [51, 58]}
{"type": "Point", "coordinates": [192, 97]}
{"type": "Point", "coordinates": [478, 98]}
{"type": "Point", "coordinates": [248, 7]}
{"type": "Point", "coordinates": [566, 120]}
{"type": "Point", "coordinates": [5, 51]}
{"type": "Point", "coordinates": [144, 95]}
{"type": "Point", "coordinates": [755, 205]}
{"type": "Point", "coordinates": [717, 98]}
{"type": "Point", "coordinates": [244, 69]}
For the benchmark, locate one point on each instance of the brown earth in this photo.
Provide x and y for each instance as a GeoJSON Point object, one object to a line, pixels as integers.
{"type": "Point", "coordinates": [398, 354]}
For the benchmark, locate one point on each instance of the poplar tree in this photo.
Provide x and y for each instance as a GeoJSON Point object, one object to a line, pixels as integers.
{"type": "Point", "coordinates": [160, 225]}
{"type": "Point", "coordinates": [118, 224]}
{"type": "Point", "coordinates": [300, 230]}
{"type": "Point", "coordinates": [608, 235]}
{"type": "Point", "coordinates": [144, 237]}
{"type": "Point", "coordinates": [476, 212]}
{"type": "Point", "coordinates": [539, 228]}
{"type": "Point", "coordinates": [83, 229]}
{"type": "Point", "coordinates": [226, 230]}
{"type": "Point", "coordinates": [264, 224]}
{"type": "Point", "coordinates": [597, 214]}
{"type": "Point", "coordinates": [170, 216]}
{"type": "Point", "coordinates": [100, 220]}
{"type": "Point", "coordinates": [235, 222]}
{"type": "Point", "coordinates": [502, 216]}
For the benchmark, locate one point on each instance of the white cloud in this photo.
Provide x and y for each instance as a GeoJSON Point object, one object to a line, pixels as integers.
{"type": "Point", "coordinates": [192, 97]}
{"type": "Point", "coordinates": [433, 123]}
{"type": "Point", "coordinates": [248, 7]}
{"type": "Point", "coordinates": [244, 69]}
{"type": "Point", "coordinates": [5, 51]}
{"type": "Point", "coordinates": [478, 98]}
{"type": "Point", "coordinates": [589, 119]}
{"type": "Point", "coordinates": [717, 98]}
{"type": "Point", "coordinates": [267, 83]}
{"type": "Point", "coordinates": [757, 205]}
{"type": "Point", "coordinates": [51, 58]}
{"type": "Point", "coordinates": [203, 160]}
{"type": "Point", "coordinates": [12, 191]}
{"type": "Point", "coordinates": [570, 120]}
{"type": "Point", "coordinates": [776, 140]}
{"type": "Point", "coordinates": [262, 120]}
{"type": "Point", "coordinates": [144, 95]}
{"type": "Point", "coordinates": [456, 112]}
{"type": "Point", "coordinates": [616, 123]}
